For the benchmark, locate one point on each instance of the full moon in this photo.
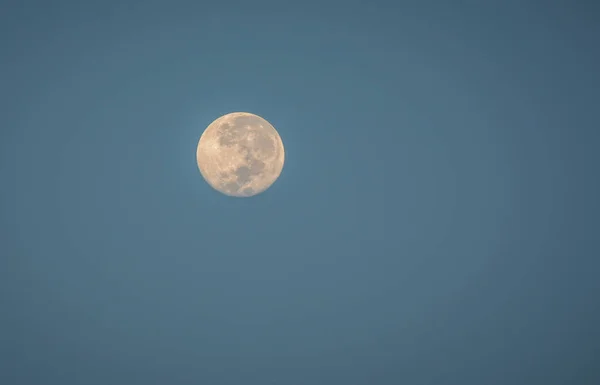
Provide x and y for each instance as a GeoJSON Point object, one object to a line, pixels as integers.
{"type": "Point", "coordinates": [240, 154]}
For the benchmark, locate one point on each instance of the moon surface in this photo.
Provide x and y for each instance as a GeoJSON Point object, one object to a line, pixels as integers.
{"type": "Point", "coordinates": [240, 154]}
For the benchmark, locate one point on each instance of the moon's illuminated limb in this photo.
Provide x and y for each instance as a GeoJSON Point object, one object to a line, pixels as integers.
{"type": "Point", "coordinates": [240, 154]}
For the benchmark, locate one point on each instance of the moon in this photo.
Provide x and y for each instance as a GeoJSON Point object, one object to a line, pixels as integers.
{"type": "Point", "coordinates": [240, 154]}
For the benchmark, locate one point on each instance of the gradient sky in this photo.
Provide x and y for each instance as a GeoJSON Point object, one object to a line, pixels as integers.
{"type": "Point", "coordinates": [436, 221]}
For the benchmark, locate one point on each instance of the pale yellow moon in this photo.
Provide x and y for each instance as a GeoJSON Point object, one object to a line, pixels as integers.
{"type": "Point", "coordinates": [240, 154]}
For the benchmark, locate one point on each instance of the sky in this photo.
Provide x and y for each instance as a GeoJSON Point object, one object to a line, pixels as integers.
{"type": "Point", "coordinates": [436, 220]}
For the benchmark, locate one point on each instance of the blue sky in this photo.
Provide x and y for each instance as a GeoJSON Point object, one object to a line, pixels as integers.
{"type": "Point", "coordinates": [435, 222]}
